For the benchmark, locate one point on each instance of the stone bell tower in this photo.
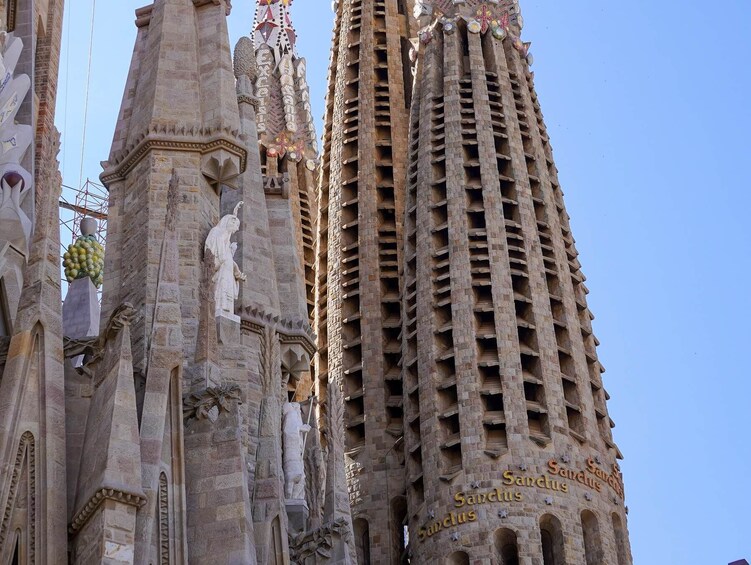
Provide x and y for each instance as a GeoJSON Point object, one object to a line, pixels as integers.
{"type": "Point", "coordinates": [359, 313]}
{"type": "Point", "coordinates": [201, 375]}
{"type": "Point", "coordinates": [510, 452]}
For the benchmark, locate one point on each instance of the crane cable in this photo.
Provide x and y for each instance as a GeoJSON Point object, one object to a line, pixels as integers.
{"type": "Point", "coordinates": [86, 98]}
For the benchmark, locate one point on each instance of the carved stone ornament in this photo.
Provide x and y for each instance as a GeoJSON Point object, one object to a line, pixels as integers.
{"type": "Point", "coordinates": [502, 18]}
{"type": "Point", "coordinates": [221, 168]}
{"type": "Point", "coordinates": [220, 143]}
{"type": "Point", "coordinates": [117, 495]}
{"type": "Point", "coordinates": [210, 403]}
{"type": "Point", "coordinates": [319, 542]}
{"type": "Point", "coordinates": [246, 67]}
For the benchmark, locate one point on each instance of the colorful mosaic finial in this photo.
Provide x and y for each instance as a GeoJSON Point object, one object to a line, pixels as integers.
{"type": "Point", "coordinates": [501, 17]}
{"type": "Point", "coordinates": [273, 26]}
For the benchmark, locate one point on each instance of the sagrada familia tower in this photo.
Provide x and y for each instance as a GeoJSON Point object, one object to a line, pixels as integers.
{"type": "Point", "coordinates": [375, 352]}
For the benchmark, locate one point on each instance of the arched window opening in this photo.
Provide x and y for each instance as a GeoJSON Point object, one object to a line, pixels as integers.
{"type": "Point", "coordinates": [551, 534]}
{"type": "Point", "coordinates": [592, 540]}
{"type": "Point", "coordinates": [458, 558]}
{"type": "Point", "coordinates": [506, 547]}
{"type": "Point", "coordinates": [362, 541]}
{"type": "Point", "coordinates": [621, 547]}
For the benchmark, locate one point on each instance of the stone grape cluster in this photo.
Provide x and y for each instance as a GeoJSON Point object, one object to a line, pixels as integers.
{"type": "Point", "coordinates": [85, 258]}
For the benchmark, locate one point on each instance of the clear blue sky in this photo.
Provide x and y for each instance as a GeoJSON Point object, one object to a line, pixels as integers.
{"type": "Point", "coordinates": [648, 107]}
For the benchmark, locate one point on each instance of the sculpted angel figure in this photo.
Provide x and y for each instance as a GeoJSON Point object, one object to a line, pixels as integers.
{"type": "Point", "coordinates": [227, 274]}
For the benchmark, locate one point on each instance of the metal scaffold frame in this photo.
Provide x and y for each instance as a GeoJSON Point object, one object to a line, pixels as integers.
{"type": "Point", "coordinates": [91, 200]}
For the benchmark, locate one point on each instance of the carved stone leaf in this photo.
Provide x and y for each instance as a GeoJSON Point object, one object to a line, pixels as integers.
{"type": "Point", "coordinates": [212, 401]}
{"type": "Point", "coordinates": [335, 417]}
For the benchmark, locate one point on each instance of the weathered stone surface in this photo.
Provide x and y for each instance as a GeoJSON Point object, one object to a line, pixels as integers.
{"type": "Point", "coordinates": [456, 391]}
{"type": "Point", "coordinates": [493, 366]}
{"type": "Point", "coordinates": [81, 310]}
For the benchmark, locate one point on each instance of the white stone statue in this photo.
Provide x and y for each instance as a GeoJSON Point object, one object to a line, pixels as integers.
{"type": "Point", "coordinates": [294, 444]}
{"type": "Point", "coordinates": [227, 275]}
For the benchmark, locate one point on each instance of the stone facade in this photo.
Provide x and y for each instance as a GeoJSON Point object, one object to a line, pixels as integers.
{"type": "Point", "coordinates": [451, 408]}
{"type": "Point", "coordinates": [488, 436]}
{"type": "Point", "coordinates": [159, 439]}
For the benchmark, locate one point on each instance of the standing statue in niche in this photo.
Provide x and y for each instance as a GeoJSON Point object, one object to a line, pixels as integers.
{"type": "Point", "coordinates": [294, 444]}
{"type": "Point", "coordinates": [227, 275]}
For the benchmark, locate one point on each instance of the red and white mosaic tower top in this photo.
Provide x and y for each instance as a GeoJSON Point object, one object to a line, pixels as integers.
{"type": "Point", "coordinates": [273, 26]}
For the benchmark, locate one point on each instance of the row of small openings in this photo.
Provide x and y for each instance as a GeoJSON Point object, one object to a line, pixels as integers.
{"type": "Point", "coordinates": [349, 217]}
{"type": "Point", "coordinates": [355, 21]}
{"type": "Point", "coordinates": [567, 369]}
{"type": "Point", "coordinates": [604, 423]}
{"type": "Point", "coordinates": [552, 543]}
{"type": "Point", "coordinates": [409, 360]}
{"type": "Point", "coordinates": [352, 70]}
{"type": "Point", "coordinates": [323, 228]}
{"type": "Point", "coordinates": [351, 118]}
{"type": "Point", "coordinates": [388, 244]}
{"type": "Point", "coordinates": [529, 353]}
{"type": "Point", "coordinates": [379, 15]}
{"type": "Point", "coordinates": [308, 238]}
{"type": "Point", "coordinates": [486, 341]}
{"type": "Point", "coordinates": [350, 311]}
{"type": "Point", "coordinates": [569, 382]}
{"type": "Point", "coordinates": [448, 409]}
{"type": "Point", "coordinates": [492, 392]}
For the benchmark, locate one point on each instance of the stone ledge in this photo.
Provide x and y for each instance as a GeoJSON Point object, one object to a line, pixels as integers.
{"type": "Point", "coordinates": [178, 138]}
{"type": "Point", "coordinates": [291, 331]}
{"type": "Point", "coordinates": [132, 499]}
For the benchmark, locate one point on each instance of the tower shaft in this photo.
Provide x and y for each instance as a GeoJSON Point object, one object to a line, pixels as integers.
{"type": "Point", "coordinates": [360, 245]}
{"type": "Point", "coordinates": [506, 430]}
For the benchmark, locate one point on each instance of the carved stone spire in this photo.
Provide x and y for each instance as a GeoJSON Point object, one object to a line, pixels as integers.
{"type": "Point", "coordinates": [285, 122]}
